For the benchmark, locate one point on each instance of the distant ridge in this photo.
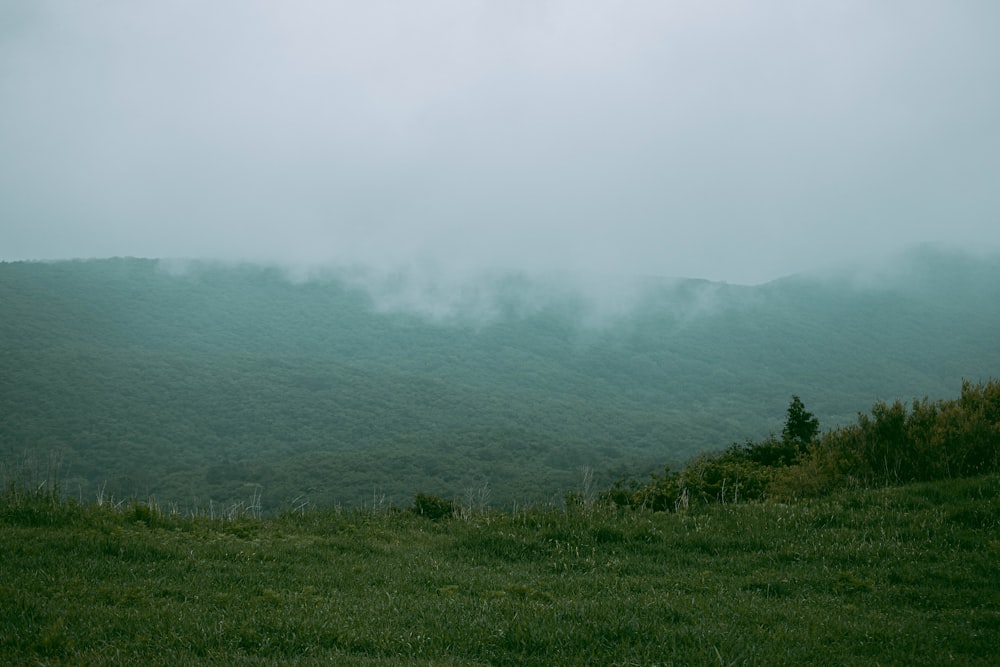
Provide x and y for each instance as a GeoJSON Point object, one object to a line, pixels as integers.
{"type": "Point", "coordinates": [204, 381]}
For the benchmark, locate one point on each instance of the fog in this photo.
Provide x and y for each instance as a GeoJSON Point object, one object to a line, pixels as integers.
{"type": "Point", "coordinates": [731, 141]}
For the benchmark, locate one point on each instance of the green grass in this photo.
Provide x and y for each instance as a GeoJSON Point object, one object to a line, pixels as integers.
{"type": "Point", "coordinates": [905, 575]}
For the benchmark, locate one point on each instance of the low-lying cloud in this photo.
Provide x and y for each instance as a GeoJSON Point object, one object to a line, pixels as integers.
{"type": "Point", "coordinates": [721, 140]}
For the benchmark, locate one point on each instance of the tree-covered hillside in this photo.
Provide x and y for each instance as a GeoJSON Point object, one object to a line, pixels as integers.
{"type": "Point", "coordinates": [219, 381]}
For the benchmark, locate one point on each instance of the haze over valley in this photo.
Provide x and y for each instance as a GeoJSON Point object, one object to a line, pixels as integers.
{"type": "Point", "coordinates": [197, 381]}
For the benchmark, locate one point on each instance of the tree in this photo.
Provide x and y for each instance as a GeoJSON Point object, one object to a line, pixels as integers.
{"type": "Point", "coordinates": [801, 426]}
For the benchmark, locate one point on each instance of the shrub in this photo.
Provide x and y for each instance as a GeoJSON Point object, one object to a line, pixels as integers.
{"type": "Point", "coordinates": [432, 507]}
{"type": "Point", "coordinates": [773, 452]}
{"type": "Point", "coordinates": [660, 494]}
{"type": "Point", "coordinates": [728, 477]}
{"type": "Point", "coordinates": [892, 444]}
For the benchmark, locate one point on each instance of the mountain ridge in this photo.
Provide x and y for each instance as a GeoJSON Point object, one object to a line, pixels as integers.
{"type": "Point", "coordinates": [212, 380]}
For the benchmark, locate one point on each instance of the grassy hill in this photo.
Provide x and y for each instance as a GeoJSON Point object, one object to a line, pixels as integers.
{"type": "Point", "coordinates": [215, 383]}
{"type": "Point", "coordinates": [903, 575]}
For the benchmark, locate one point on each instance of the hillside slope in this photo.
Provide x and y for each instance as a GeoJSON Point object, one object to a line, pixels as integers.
{"type": "Point", "coordinates": [215, 381]}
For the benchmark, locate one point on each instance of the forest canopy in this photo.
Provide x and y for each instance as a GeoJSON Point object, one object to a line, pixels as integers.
{"type": "Point", "coordinates": [213, 383]}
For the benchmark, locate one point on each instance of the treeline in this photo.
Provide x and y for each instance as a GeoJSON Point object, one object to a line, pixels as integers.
{"type": "Point", "coordinates": [892, 444]}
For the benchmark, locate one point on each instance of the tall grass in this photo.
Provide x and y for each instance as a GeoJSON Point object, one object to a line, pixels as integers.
{"type": "Point", "coordinates": [902, 575]}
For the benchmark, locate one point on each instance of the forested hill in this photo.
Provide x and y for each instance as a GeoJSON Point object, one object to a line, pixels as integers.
{"type": "Point", "coordinates": [216, 381]}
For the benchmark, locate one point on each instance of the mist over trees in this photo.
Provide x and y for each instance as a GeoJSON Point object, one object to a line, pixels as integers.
{"type": "Point", "coordinates": [207, 382]}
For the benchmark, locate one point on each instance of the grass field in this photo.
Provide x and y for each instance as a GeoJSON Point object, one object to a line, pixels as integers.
{"type": "Point", "coordinates": [904, 575]}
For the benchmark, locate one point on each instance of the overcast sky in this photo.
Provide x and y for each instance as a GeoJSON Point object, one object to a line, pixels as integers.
{"type": "Point", "coordinates": [728, 140]}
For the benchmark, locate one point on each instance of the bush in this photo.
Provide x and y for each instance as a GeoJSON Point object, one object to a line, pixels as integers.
{"type": "Point", "coordinates": [432, 507]}
{"type": "Point", "coordinates": [893, 444]}
{"type": "Point", "coordinates": [728, 477]}
{"type": "Point", "coordinates": [773, 452]}
{"type": "Point", "coordinates": [660, 494]}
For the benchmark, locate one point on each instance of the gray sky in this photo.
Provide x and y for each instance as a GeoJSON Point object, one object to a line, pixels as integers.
{"type": "Point", "coordinates": [728, 140]}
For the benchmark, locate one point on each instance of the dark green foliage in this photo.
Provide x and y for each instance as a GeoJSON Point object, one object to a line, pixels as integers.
{"type": "Point", "coordinates": [729, 477]}
{"type": "Point", "coordinates": [931, 440]}
{"type": "Point", "coordinates": [893, 444]}
{"type": "Point", "coordinates": [943, 439]}
{"type": "Point", "coordinates": [661, 493]}
{"type": "Point", "coordinates": [433, 507]}
{"type": "Point", "coordinates": [799, 432]}
{"type": "Point", "coordinates": [725, 477]}
{"type": "Point", "coordinates": [801, 426]}
{"type": "Point", "coordinates": [772, 452]}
